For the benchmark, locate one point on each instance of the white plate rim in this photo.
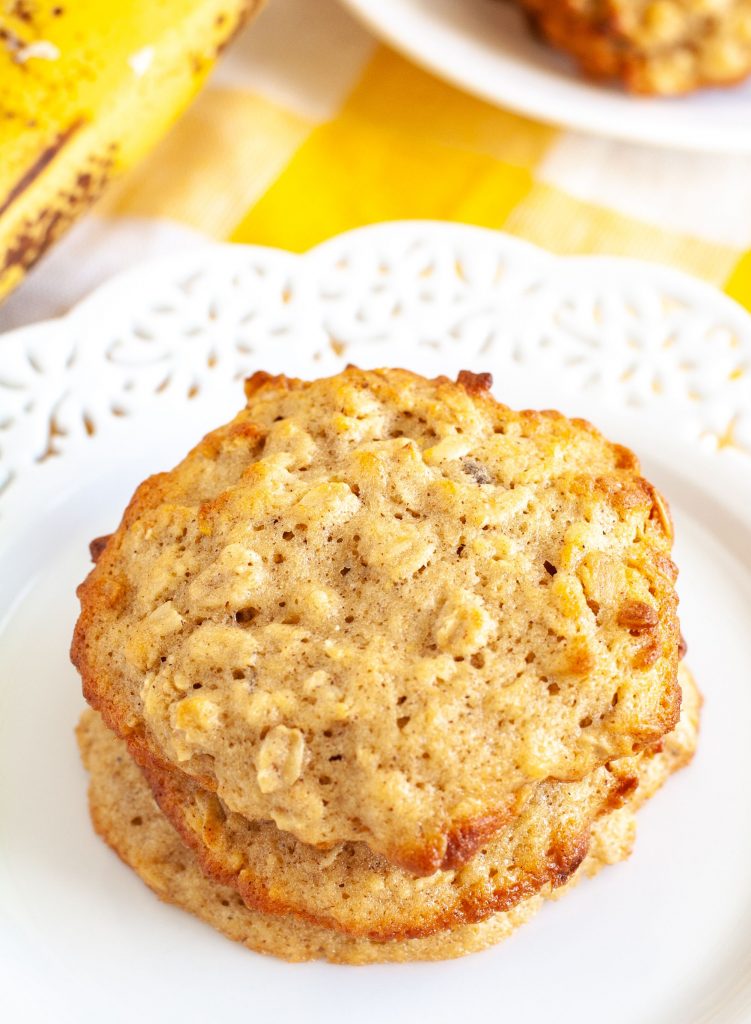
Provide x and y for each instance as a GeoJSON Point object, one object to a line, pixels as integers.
{"type": "Point", "coordinates": [114, 293]}
{"type": "Point", "coordinates": [551, 97]}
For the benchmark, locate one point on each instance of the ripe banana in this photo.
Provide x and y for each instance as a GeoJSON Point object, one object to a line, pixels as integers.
{"type": "Point", "coordinates": [86, 88]}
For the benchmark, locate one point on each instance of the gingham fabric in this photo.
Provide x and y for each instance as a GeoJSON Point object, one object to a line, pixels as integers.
{"type": "Point", "coordinates": [310, 127]}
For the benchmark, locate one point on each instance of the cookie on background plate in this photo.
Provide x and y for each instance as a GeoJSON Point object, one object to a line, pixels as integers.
{"type": "Point", "coordinates": [655, 47]}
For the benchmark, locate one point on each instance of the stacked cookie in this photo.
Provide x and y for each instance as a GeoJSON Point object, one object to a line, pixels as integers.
{"type": "Point", "coordinates": [381, 665]}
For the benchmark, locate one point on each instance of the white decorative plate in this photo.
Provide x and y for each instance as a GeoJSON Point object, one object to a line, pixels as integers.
{"type": "Point", "coordinates": [485, 47]}
{"type": "Point", "coordinates": [124, 385]}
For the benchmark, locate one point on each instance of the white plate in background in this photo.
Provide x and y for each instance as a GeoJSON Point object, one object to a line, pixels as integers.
{"type": "Point", "coordinates": [486, 48]}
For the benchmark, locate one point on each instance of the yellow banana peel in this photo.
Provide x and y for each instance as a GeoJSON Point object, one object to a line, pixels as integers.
{"type": "Point", "coordinates": [86, 88]}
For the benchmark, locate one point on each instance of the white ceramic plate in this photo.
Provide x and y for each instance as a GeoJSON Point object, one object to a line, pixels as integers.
{"type": "Point", "coordinates": [135, 375]}
{"type": "Point", "coordinates": [485, 47]}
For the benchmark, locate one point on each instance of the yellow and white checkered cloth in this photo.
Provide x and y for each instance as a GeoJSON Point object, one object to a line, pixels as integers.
{"type": "Point", "coordinates": [309, 127]}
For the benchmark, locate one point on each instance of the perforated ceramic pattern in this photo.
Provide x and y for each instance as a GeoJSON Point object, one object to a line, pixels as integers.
{"type": "Point", "coordinates": [438, 295]}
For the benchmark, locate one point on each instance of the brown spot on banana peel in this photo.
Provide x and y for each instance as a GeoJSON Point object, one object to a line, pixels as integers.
{"type": "Point", "coordinates": [34, 237]}
{"type": "Point", "coordinates": [42, 161]}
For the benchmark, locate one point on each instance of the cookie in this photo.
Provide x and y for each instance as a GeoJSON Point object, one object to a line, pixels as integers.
{"type": "Point", "coordinates": [378, 608]}
{"type": "Point", "coordinates": [127, 818]}
{"type": "Point", "coordinates": [353, 890]}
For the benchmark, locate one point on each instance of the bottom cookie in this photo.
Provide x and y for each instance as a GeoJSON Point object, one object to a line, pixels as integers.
{"type": "Point", "coordinates": [127, 818]}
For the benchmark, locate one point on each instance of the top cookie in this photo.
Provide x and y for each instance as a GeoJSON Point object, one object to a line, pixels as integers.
{"type": "Point", "coordinates": [378, 607]}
